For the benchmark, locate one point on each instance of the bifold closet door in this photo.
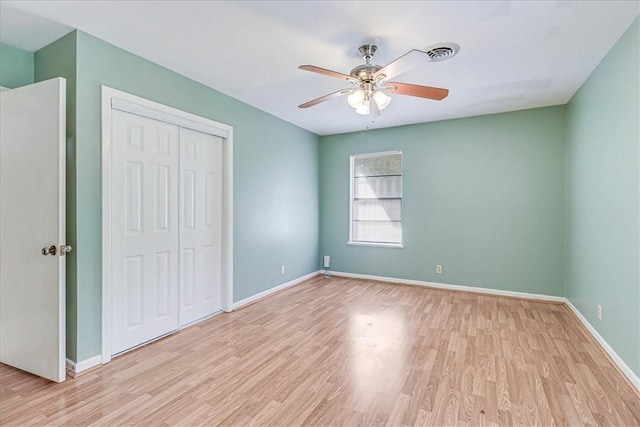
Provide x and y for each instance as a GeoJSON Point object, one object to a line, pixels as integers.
{"type": "Point", "coordinates": [201, 167]}
{"type": "Point", "coordinates": [145, 229]}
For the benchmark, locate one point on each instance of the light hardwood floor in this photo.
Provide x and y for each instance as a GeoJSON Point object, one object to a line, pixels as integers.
{"type": "Point", "coordinates": [348, 352]}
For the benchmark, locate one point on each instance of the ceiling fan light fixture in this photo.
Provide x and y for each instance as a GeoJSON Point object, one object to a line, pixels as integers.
{"type": "Point", "coordinates": [382, 99]}
{"type": "Point", "coordinates": [356, 99]}
{"type": "Point", "coordinates": [363, 109]}
{"type": "Point", "coordinates": [359, 101]}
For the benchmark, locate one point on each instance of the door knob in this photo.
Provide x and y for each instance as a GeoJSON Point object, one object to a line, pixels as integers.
{"type": "Point", "coordinates": [65, 249]}
{"type": "Point", "coordinates": [51, 250]}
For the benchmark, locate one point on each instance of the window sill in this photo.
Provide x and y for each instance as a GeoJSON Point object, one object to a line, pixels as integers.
{"type": "Point", "coordinates": [379, 245]}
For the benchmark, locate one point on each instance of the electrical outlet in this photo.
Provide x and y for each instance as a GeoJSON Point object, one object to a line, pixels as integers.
{"type": "Point", "coordinates": [439, 268]}
{"type": "Point", "coordinates": [282, 269]}
{"type": "Point", "coordinates": [599, 312]}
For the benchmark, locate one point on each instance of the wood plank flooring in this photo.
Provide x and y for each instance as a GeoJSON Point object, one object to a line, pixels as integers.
{"type": "Point", "coordinates": [348, 352]}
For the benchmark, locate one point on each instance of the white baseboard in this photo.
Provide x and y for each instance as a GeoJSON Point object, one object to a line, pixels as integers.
{"type": "Point", "coordinates": [489, 291]}
{"type": "Point", "coordinates": [278, 288]}
{"type": "Point", "coordinates": [76, 368]}
{"type": "Point", "coordinates": [635, 380]}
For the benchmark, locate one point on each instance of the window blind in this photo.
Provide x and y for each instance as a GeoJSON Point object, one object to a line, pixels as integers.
{"type": "Point", "coordinates": [376, 205]}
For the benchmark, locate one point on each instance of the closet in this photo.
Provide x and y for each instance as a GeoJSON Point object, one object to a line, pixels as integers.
{"type": "Point", "coordinates": [166, 225]}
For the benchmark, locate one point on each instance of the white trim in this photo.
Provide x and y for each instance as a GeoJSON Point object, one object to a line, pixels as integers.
{"type": "Point", "coordinates": [271, 291]}
{"type": "Point", "coordinates": [105, 105]}
{"type": "Point", "coordinates": [376, 244]}
{"type": "Point", "coordinates": [2, 88]}
{"type": "Point", "coordinates": [74, 369]}
{"type": "Point", "coordinates": [227, 221]}
{"type": "Point", "coordinates": [626, 370]}
{"type": "Point", "coordinates": [112, 98]}
{"type": "Point", "coordinates": [351, 240]}
{"type": "Point", "coordinates": [169, 115]}
{"type": "Point", "coordinates": [498, 292]}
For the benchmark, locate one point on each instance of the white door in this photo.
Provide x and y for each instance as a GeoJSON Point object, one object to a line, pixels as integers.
{"type": "Point", "coordinates": [201, 158]}
{"type": "Point", "coordinates": [32, 217]}
{"type": "Point", "coordinates": [144, 229]}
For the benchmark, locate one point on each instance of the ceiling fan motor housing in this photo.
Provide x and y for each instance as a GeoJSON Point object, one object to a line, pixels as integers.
{"type": "Point", "coordinates": [366, 71]}
{"type": "Point", "coordinates": [367, 51]}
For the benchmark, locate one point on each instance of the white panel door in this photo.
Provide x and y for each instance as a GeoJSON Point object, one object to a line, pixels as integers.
{"type": "Point", "coordinates": [145, 274]}
{"type": "Point", "coordinates": [32, 212]}
{"type": "Point", "coordinates": [200, 225]}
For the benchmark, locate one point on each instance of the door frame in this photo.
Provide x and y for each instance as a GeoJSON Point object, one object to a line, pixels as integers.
{"type": "Point", "coordinates": [119, 100]}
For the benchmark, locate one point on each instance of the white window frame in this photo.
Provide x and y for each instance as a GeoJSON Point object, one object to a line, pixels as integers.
{"type": "Point", "coordinates": [351, 179]}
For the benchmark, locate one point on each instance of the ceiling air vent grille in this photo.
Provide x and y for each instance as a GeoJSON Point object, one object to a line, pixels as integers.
{"type": "Point", "coordinates": [442, 51]}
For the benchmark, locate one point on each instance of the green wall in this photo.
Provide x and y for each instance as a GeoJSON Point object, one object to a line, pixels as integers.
{"type": "Point", "coordinates": [603, 213]}
{"type": "Point", "coordinates": [59, 60]}
{"type": "Point", "coordinates": [275, 179]}
{"type": "Point", "coordinates": [16, 66]}
{"type": "Point", "coordinates": [543, 201]}
{"type": "Point", "coordinates": [483, 196]}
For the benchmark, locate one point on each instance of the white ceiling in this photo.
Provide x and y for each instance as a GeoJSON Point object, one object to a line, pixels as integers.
{"type": "Point", "coordinates": [514, 54]}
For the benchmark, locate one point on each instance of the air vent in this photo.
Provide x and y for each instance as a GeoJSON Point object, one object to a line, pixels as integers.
{"type": "Point", "coordinates": [442, 51]}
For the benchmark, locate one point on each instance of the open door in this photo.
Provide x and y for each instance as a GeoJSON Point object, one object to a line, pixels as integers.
{"type": "Point", "coordinates": [32, 228]}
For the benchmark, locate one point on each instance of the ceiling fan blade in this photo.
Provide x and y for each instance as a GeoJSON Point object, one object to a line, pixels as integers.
{"type": "Point", "coordinates": [409, 60]}
{"type": "Point", "coordinates": [326, 72]}
{"type": "Point", "coordinates": [326, 98]}
{"type": "Point", "coordinates": [429, 92]}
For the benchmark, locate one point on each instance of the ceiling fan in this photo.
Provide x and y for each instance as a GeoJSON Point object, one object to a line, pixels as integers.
{"type": "Point", "coordinates": [371, 82]}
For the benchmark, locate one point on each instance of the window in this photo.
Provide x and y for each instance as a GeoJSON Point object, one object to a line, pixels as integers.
{"type": "Point", "coordinates": [376, 199]}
